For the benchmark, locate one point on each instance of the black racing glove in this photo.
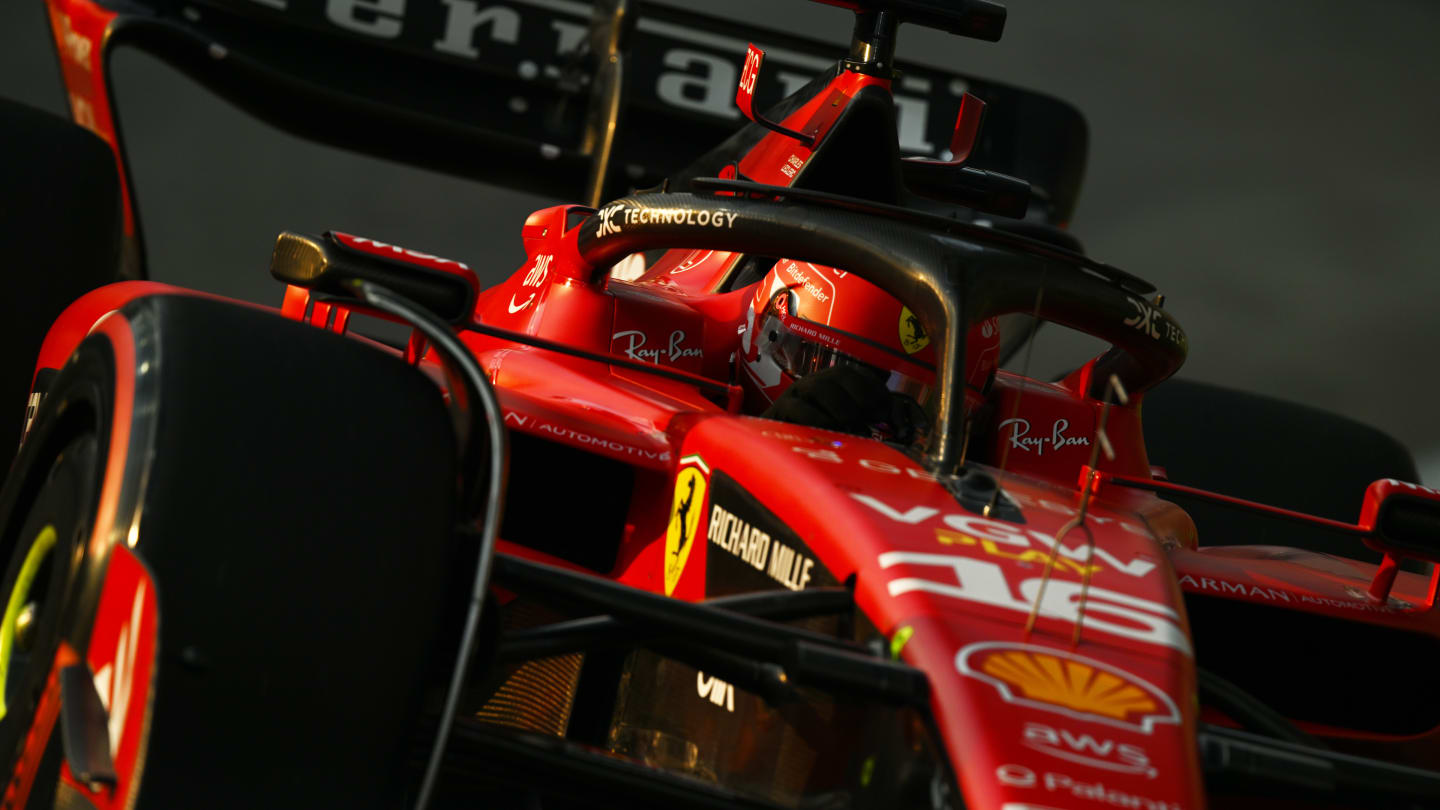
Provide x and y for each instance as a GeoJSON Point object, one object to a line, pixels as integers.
{"type": "Point", "coordinates": [848, 399]}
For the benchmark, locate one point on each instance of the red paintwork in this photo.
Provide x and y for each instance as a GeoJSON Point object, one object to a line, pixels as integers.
{"type": "Point", "coordinates": [82, 315]}
{"type": "Point", "coordinates": [80, 28]}
{"type": "Point", "coordinates": [122, 656]}
{"type": "Point", "coordinates": [18, 787]}
{"type": "Point", "coordinates": [777, 159]}
{"type": "Point", "coordinates": [962, 584]}
{"type": "Point", "coordinates": [396, 252]}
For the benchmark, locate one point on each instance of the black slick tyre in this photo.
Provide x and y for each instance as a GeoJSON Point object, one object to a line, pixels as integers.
{"type": "Point", "coordinates": [287, 497]}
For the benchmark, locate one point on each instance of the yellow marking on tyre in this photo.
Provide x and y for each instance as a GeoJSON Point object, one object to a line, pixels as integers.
{"type": "Point", "coordinates": [18, 597]}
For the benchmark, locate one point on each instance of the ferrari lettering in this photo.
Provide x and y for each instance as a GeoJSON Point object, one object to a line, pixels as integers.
{"type": "Point", "coordinates": [716, 691]}
{"type": "Point", "coordinates": [635, 349]}
{"type": "Point", "coordinates": [757, 548]}
{"type": "Point", "coordinates": [464, 17]}
{"type": "Point", "coordinates": [1052, 782]}
{"type": "Point", "coordinates": [698, 78]}
{"type": "Point", "coordinates": [1020, 439]}
{"type": "Point", "coordinates": [376, 18]}
{"type": "Point", "coordinates": [1007, 534]}
{"type": "Point", "coordinates": [1085, 749]}
{"type": "Point", "coordinates": [699, 82]}
{"type": "Point", "coordinates": [984, 582]}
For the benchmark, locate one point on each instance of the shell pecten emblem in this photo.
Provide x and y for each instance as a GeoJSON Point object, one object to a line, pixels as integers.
{"type": "Point", "coordinates": [691, 485]}
{"type": "Point", "coordinates": [1060, 681]}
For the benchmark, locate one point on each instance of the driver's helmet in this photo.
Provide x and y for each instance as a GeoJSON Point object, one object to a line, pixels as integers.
{"type": "Point", "coordinates": [807, 317]}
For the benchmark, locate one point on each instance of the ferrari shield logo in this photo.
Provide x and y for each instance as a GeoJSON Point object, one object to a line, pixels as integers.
{"type": "Point", "coordinates": [912, 336]}
{"type": "Point", "coordinates": [686, 508]}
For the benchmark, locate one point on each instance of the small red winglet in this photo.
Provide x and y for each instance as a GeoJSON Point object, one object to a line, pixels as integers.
{"type": "Point", "coordinates": [745, 97]}
{"type": "Point", "coordinates": [745, 92]}
{"type": "Point", "coordinates": [967, 131]}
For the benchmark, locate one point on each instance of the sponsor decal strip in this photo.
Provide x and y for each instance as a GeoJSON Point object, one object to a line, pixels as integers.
{"type": "Point", "coordinates": [635, 349]}
{"type": "Point", "coordinates": [1020, 439]}
{"type": "Point", "coordinates": [1098, 792]}
{"type": "Point", "coordinates": [1084, 749]}
{"type": "Point", "coordinates": [1361, 599]}
{"type": "Point", "coordinates": [614, 218]}
{"type": "Point", "coordinates": [757, 548]}
{"type": "Point", "coordinates": [984, 582]}
{"type": "Point", "coordinates": [1009, 534]}
{"type": "Point", "coordinates": [536, 425]}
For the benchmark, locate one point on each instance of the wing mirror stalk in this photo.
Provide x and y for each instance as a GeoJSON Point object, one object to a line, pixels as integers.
{"type": "Point", "coordinates": [1398, 519]}
{"type": "Point", "coordinates": [325, 263]}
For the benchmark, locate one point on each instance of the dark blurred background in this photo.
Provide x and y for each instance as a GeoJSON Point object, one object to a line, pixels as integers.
{"type": "Point", "coordinates": [1272, 166]}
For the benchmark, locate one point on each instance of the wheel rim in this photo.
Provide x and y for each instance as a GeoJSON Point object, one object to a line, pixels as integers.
{"type": "Point", "coordinates": [35, 557]}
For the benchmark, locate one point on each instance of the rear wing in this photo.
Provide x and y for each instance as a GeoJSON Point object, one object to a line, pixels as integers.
{"type": "Point", "coordinates": [569, 99]}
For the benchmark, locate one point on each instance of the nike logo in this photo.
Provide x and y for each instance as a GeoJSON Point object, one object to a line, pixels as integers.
{"type": "Point", "coordinates": [514, 309]}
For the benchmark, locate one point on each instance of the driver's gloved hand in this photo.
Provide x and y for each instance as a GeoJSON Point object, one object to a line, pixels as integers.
{"type": "Point", "coordinates": [846, 398]}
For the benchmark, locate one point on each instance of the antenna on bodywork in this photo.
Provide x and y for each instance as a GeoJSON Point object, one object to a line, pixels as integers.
{"type": "Point", "coordinates": [610, 26]}
{"type": "Point", "coordinates": [1090, 477]}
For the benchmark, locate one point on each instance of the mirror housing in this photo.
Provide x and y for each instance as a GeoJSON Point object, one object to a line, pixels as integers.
{"type": "Point", "coordinates": [324, 263]}
{"type": "Point", "coordinates": [1400, 520]}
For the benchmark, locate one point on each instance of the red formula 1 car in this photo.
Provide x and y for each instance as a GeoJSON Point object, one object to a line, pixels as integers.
{"type": "Point", "coordinates": [552, 551]}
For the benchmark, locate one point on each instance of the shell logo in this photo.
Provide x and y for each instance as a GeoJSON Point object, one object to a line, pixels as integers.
{"type": "Point", "coordinates": [1073, 685]}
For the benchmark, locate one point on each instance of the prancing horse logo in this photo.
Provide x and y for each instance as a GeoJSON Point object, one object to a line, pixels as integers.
{"type": "Point", "coordinates": [686, 508]}
{"type": "Point", "coordinates": [912, 334]}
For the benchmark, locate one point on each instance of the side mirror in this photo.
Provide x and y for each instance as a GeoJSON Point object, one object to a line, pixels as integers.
{"type": "Point", "coordinates": [1400, 520]}
{"type": "Point", "coordinates": [445, 287]}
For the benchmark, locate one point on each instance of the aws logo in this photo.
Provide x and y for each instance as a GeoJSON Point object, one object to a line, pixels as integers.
{"type": "Point", "coordinates": [688, 504]}
{"type": "Point", "coordinates": [1096, 751]}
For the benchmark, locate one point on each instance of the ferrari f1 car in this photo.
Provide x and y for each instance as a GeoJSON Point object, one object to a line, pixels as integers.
{"type": "Point", "coordinates": [539, 555]}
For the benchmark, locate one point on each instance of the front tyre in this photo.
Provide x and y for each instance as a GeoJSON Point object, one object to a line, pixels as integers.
{"type": "Point", "coordinates": [256, 567]}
